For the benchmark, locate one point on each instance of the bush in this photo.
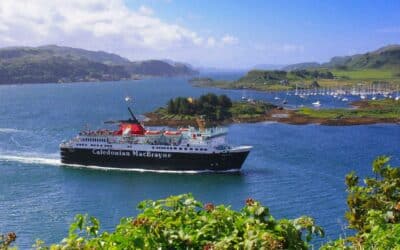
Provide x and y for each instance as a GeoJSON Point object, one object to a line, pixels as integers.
{"type": "Point", "coordinates": [211, 106]}
{"type": "Point", "coordinates": [374, 209]}
{"type": "Point", "coordinates": [181, 222]}
{"type": "Point", "coordinates": [7, 240]}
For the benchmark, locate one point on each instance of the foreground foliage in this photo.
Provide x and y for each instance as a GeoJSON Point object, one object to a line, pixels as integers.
{"type": "Point", "coordinates": [6, 240]}
{"type": "Point", "coordinates": [181, 222]}
{"type": "Point", "coordinates": [374, 209]}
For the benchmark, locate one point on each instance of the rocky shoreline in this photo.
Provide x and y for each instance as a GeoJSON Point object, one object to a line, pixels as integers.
{"type": "Point", "coordinates": [276, 115]}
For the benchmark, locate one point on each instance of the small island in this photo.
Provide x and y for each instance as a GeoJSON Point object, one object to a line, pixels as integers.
{"type": "Point", "coordinates": [214, 110]}
{"type": "Point", "coordinates": [221, 110]}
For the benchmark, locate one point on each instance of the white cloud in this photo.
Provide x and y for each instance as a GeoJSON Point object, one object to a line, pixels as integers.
{"type": "Point", "coordinates": [146, 10]}
{"type": "Point", "coordinates": [97, 24]}
{"type": "Point", "coordinates": [211, 42]}
{"type": "Point", "coordinates": [228, 39]}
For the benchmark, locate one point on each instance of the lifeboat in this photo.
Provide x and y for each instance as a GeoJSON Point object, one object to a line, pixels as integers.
{"type": "Point", "coordinates": [173, 137]}
{"type": "Point", "coordinates": [152, 133]}
{"type": "Point", "coordinates": [172, 133]}
{"type": "Point", "coordinates": [153, 136]}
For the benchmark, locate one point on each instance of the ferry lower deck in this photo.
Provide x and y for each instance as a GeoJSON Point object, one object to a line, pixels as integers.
{"type": "Point", "coordinates": [156, 160]}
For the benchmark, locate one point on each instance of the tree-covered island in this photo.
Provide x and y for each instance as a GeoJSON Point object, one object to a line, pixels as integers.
{"type": "Point", "coordinates": [214, 109]}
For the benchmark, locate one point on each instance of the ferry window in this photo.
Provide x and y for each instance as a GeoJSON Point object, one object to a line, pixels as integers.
{"type": "Point", "coordinates": [180, 148]}
{"type": "Point", "coordinates": [196, 149]}
{"type": "Point", "coordinates": [174, 147]}
{"type": "Point", "coordinates": [191, 148]}
{"type": "Point", "coordinates": [185, 148]}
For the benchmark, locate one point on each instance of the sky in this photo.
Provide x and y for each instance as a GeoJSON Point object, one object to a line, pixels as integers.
{"type": "Point", "coordinates": [221, 34]}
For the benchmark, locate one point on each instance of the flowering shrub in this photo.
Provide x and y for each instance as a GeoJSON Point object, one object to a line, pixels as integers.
{"type": "Point", "coordinates": [181, 222]}
{"type": "Point", "coordinates": [374, 209]}
{"type": "Point", "coordinates": [6, 240]}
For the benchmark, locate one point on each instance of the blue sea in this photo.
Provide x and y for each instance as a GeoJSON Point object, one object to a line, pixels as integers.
{"type": "Point", "coordinates": [294, 170]}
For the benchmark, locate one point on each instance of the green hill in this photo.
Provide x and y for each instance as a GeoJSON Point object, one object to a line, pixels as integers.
{"type": "Point", "coordinates": [300, 66]}
{"type": "Point", "coordinates": [387, 58]}
{"type": "Point", "coordinates": [270, 77]}
{"type": "Point", "coordinates": [64, 64]}
{"type": "Point", "coordinates": [384, 58]}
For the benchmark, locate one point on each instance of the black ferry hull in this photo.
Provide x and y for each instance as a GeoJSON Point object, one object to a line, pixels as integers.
{"type": "Point", "coordinates": [156, 161]}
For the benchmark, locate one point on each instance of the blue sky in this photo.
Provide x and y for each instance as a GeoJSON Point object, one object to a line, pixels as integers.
{"type": "Point", "coordinates": [319, 29]}
{"type": "Point", "coordinates": [224, 34]}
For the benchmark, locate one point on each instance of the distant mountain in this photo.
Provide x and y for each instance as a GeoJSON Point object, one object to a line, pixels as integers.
{"type": "Point", "coordinates": [387, 57]}
{"type": "Point", "coordinates": [64, 64]}
{"type": "Point", "coordinates": [268, 66]}
{"type": "Point", "coordinates": [95, 56]}
{"type": "Point", "coordinates": [159, 68]}
{"type": "Point", "coordinates": [301, 66]}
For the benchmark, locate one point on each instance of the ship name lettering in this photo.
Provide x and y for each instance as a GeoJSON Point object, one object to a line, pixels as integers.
{"type": "Point", "coordinates": [111, 152]}
{"type": "Point", "coordinates": [150, 154]}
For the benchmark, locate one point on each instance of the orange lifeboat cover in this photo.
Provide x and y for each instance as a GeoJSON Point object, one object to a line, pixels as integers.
{"type": "Point", "coordinates": [172, 132]}
{"type": "Point", "coordinates": [154, 132]}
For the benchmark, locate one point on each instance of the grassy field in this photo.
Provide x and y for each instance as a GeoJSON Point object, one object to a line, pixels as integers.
{"type": "Point", "coordinates": [367, 74]}
{"type": "Point", "coordinates": [380, 109]}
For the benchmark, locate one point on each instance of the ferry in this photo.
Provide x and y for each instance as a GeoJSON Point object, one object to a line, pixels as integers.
{"type": "Point", "coordinates": [132, 146]}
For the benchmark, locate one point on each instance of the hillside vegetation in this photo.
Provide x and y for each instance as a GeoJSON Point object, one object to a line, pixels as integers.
{"type": "Point", "coordinates": [378, 67]}
{"type": "Point", "coordinates": [387, 57]}
{"type": "Point", "coordinates": [384, 58]}
{"type": "Point", "coordinates": [64, 64]}
{"type": "Point", "coordinates": [271, 80]}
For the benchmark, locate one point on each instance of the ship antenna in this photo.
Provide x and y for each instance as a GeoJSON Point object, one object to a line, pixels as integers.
{"type": "Point", "coordinates": [133, 116]}
{"type": "Point", "coordinates": [129, 99]}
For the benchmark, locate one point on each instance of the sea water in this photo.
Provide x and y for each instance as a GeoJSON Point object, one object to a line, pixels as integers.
{"type": "Point", "coordinates": [294, 170]}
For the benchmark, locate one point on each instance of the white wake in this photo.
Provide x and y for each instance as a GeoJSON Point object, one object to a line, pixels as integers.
{"type": "Point", "coordinates": [10, 130]}
{"type": "Point", "coordinates": [30, 160]}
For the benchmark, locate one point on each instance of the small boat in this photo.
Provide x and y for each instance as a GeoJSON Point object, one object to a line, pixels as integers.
{"type": "Point", "coordinates": [316, 104]}
{"type": "Point", "coordinates": [345, 99]}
